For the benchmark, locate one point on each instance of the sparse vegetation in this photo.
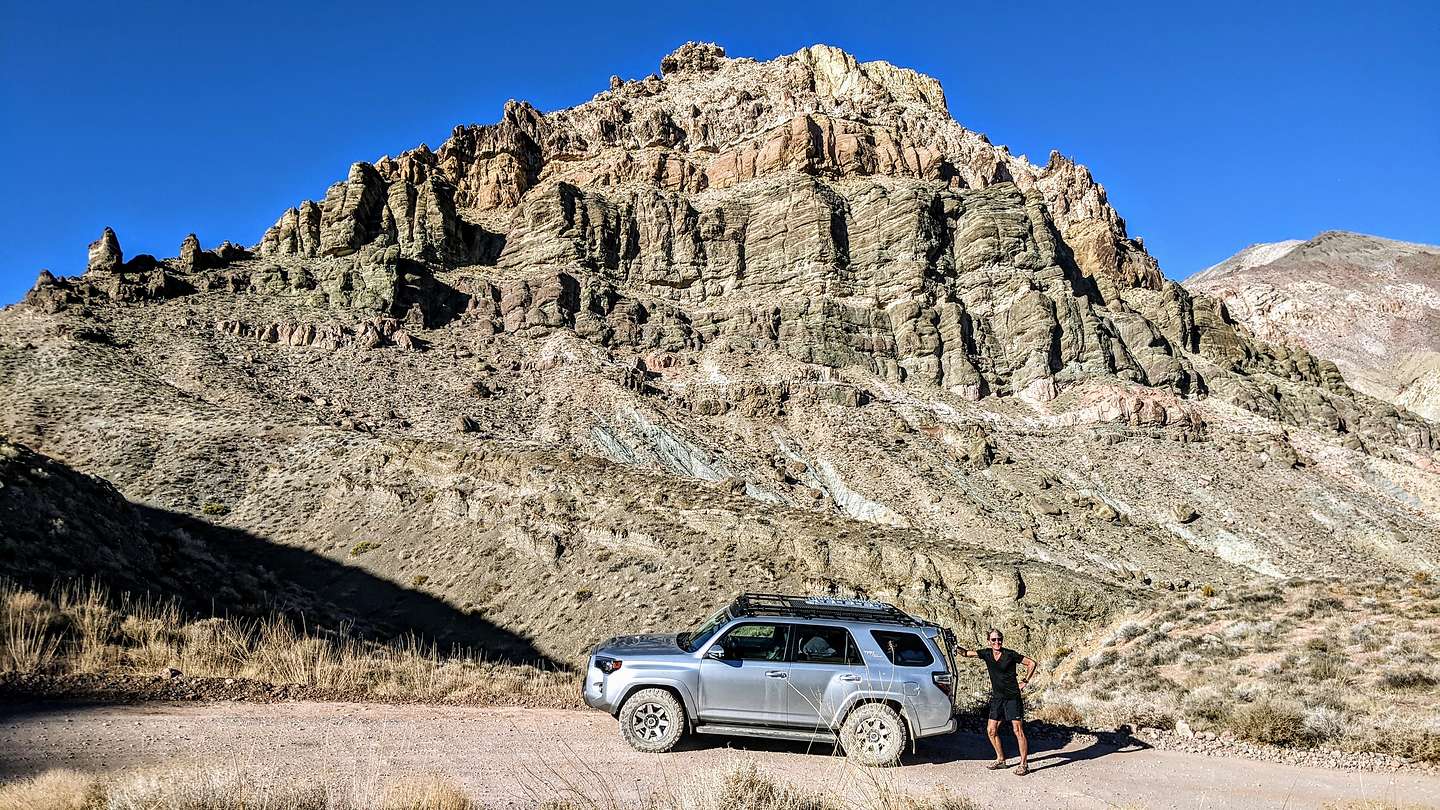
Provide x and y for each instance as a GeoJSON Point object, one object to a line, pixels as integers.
{"type": "Point", "coordinates": [743, 786]}
{"type": "Point", "coordinates": [214, 509]}
{"type": "Point", "coordinates": [1301, 664]}
{"type": "Point", "coordinates": [79, 629]}
{"type": "Point", "coordinates": [363, 547]}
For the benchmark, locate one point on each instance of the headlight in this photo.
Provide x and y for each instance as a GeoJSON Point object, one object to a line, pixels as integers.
{"type": "Point", "coordinates": [607, 665]}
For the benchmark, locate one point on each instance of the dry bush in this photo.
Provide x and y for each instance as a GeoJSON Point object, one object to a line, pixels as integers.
{"type": "Point", "coordinates": [745, 785]}
{"type": "Point", "coordinates": [1407, 679]}
{"type": "Point", "coordinates": [1060, 714]}
{"type": "Point", "coordinates": [52, 790]}
{"type": "Point", "coordinates": [432, 793]}
{"type": "Point", "coordinates": [1270, 721]}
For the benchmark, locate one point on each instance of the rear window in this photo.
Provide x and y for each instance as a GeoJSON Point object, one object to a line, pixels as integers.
{"type": "Point", "coordinates": [819, 644]}
{"type": "Point", "coordinates": [904, 649]}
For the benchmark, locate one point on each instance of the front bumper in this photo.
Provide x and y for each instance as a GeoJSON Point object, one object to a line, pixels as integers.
{"type": "Point", "coordinates": [592, 690]}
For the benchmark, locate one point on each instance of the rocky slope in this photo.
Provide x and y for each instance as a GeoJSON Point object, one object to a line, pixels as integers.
{"type": "Point", "coordinates": [1371, 305]}
{"type": "Point", "coordinates": [766, 325]}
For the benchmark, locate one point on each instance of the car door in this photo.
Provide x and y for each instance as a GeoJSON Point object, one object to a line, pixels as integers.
{"type": "Point", "coordinates": [825, 668]}
{"type": "Point", "coordinates": [748, 684]}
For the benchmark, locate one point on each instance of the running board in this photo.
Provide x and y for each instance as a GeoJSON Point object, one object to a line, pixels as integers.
{"type": "Point", "coordinates": [769, 732]}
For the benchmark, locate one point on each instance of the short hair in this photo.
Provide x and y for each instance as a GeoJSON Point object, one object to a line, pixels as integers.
{"type": "Point", "coordinates": [994, 632]}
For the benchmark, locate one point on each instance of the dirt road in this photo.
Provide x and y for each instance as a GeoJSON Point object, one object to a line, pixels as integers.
{"type": "Point", "coordinates": [519, 756]}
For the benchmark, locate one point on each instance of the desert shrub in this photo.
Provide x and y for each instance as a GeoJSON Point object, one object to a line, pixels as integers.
{"type": "Point", "coordinates": [419, 580]}
{"type": "Point", "coordinates": [1129, 631]}
{"type": "Point", "coordinates": [1322, 723]}
{"type": "Point", "coordinates": [1209, 704]}
{"type": "Point", "coordinates": [214, 509]}
{"type": "Point", "coordinates": [1270, 721]}
{"type": "Point", "coordinates": [1104, 658]}
{"type": "Point", "coordinates": [1407, 679]}
{"type": "Point", "coordinates": [60, 789]}
{"type": "Point", "coordinates": [363, 547]}
{"type": "Point", "coordinates": [1326, 668]}
{"type": "Point", "coordinates": [1060, 713]}
{"type": "Point", "coordinates": [1406, 741]}
{"type": "Point", "coordinates": [745, 785]}
{"type": "Point", "coordinates": [1207, 590]}
{"type": "Point", "coordinates": [1317, 604]}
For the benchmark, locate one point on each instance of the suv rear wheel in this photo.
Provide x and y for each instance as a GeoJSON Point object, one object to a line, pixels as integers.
{"type": "Point", "coordinates": [652, 720]}
{"type": "Point", "coordinates": [873, 734]}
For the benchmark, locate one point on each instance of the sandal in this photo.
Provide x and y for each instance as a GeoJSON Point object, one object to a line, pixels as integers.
{"type": "Point", "coordinates": [998, 765]}
{"type": "Point", "coordinates": [1022, 770]}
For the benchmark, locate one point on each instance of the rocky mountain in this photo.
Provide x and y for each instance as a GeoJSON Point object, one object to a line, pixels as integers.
{"type": "Point", "coordinates": [1371, 305]}
{"type": "Point", "coordinates": [741, 324]}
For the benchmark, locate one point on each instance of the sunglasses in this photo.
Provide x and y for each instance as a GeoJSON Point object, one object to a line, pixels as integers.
{"type": "Point", "coordinates": [997, 639]}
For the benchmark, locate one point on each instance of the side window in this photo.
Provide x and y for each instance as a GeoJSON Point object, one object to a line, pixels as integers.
{"type": "Point", "coordinates": [757, 642]}
{"type": "Point", "coordinates": [817, 644]}
{"type": "Point", "coordinates": [904, 649]}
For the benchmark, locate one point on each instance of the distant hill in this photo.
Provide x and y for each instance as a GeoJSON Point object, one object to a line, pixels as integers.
{"type": "Point", "coordinates": [1369, 304]}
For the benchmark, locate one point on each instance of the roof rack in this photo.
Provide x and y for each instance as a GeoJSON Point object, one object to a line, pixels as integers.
{"type": "Point", "coordinates": [823, 607]}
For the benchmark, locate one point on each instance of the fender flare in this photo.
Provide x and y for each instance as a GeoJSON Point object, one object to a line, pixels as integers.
{"type": "Point", "coordinates": [857, 698]}
{"type": "Point", "coordinates": [687, 700]}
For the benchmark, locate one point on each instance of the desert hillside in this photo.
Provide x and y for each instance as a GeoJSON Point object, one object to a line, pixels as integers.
{"type": "Point", "coordinates": [1371, 305]}
{"type": "Point", "coordinates": [780, 325]}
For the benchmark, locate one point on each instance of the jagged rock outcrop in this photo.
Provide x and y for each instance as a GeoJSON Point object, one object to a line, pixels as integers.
{"type": "Point", "coordinates": [104, 254]}
{"type": "Point", "coordinates": [1370, 305]}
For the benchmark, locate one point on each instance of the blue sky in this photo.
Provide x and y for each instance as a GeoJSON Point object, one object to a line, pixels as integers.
{"type": "Point", "coordinates": [1212, 125]}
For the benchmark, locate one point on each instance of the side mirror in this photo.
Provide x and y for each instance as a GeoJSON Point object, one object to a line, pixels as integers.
{"type": "Point", "coordinates": [716, 651]}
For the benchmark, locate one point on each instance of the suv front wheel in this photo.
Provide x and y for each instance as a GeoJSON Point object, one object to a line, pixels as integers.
{"type": "Point", "coordinates": [873, 734]}
{"type": "Point", "coordinates": [652, 720]}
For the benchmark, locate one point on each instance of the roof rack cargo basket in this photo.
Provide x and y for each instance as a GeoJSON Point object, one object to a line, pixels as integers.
{"type": "Point", "coordinates": [823, 607]}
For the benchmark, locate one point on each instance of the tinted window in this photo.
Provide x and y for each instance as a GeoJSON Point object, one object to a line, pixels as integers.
{"type": "Point", "coordinates": [905, 649]}
{"type": "Point", "coordinates": [817, 644]}
{"type": "Point", "coordinates": [757, 642]}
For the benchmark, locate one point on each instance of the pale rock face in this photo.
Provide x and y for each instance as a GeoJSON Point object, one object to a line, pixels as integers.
{"type": "Point", "coordinates": [104, 255]}
{"type": "Point", "coordinates": [1371, 305]}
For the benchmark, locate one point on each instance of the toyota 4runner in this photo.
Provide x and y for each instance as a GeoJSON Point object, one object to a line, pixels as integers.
{"type": "Point", "coordinates": [863, 674]}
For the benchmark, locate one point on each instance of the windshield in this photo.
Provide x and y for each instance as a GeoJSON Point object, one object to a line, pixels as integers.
{"type": "Point", "coordinates": [695, 639]}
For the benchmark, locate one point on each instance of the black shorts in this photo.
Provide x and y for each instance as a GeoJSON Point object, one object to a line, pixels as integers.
{"type": "Point", "coordinates": [1006, 708]}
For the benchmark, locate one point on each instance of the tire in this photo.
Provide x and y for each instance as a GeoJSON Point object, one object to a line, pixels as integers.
{"type": "Point", "coordinates": [874, 735]}
{"type": "Point", "coordinates": [652, 720]}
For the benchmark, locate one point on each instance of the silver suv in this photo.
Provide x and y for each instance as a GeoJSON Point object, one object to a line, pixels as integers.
{"type": "Point", "coordinates": [863, 674]}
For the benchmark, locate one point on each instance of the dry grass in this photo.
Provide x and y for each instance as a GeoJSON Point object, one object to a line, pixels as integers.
{"type": "Point", "coordinates": [743, 786]}
{"type": "Point", "coordinates": [1308, 663]}
{"type": "Point", "coordinates": [224, 789]}
{"type": "Point", "coordinates": [79, 629]}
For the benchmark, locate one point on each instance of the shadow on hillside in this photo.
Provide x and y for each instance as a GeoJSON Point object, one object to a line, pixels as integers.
{"type": "Point", "coordinates": [59, 526]}
{"type": "Point", "coordinates": [301, 583]}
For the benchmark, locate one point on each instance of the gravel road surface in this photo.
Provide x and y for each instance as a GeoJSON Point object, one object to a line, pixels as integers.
{"type": "Point", "coordinates": [517, 757]}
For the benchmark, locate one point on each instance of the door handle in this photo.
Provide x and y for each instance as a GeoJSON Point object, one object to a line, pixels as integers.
{"type": "Point", "coordinates": [850, 678]}
{"type": "Point", "coordinates": [776, 673]}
